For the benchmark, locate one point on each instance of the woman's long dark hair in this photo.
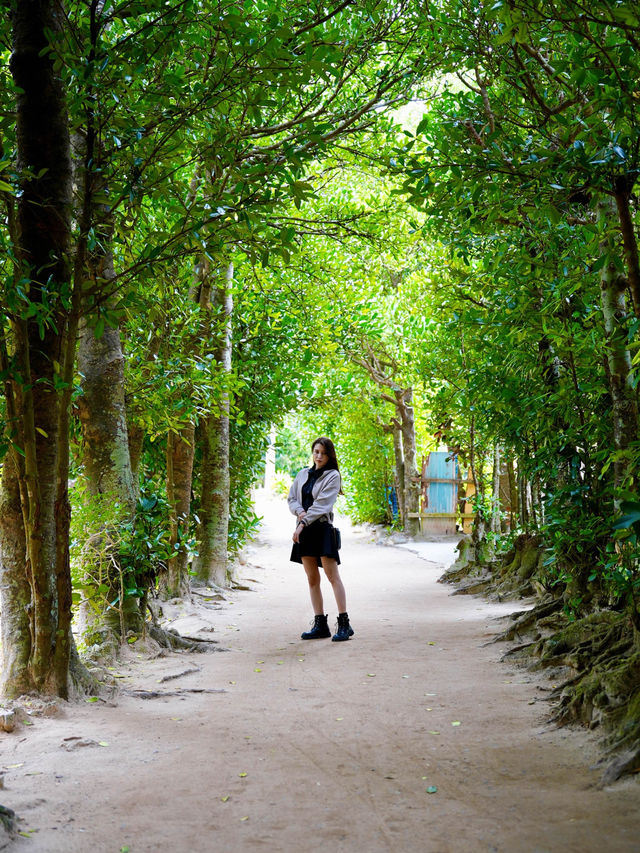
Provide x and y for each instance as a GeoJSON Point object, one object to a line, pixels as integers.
{"type": "Point", "coordinates": [329, 449]}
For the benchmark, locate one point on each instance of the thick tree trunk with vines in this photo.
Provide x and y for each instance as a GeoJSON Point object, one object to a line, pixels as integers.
{"type": "Point", "coordinates": [107, 469]}
{"type": "Point", "coordinates": [212, 562]}
{"type": "Point", "coordinates": [35, 401]}
{"type": "Point", "coordinates": [101, 409]}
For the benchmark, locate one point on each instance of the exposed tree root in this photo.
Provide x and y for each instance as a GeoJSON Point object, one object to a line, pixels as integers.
{"type": "Point", "coordinates": [511, 575]}
{"type": "Point", "coordinates": [8, 821]}
{"type": "Point", "coordinates": [172, 640]}
{"type": "Point", "coordinates": [162, 694]}
{"type": "Point", "coordinates": [596, 657]}
{"type": "Point", "coordinates": [473, 587]}
{"type": "Point", "coordinates": [528, 619]}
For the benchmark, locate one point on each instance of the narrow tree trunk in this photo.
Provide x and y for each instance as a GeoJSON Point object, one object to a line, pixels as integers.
{"type": "Point", "coordinates": [411, 473]}
{"type": "Point", "coordinates": [495, 497]}
{"type": "Point", "coordinates": [623, 395]}
{"type": "Point", "coordinates": [479, 529]}
{"type": "Point", "coordinates": [630, 243]}
{"type": "Point", "coordinates": [212, 561]}
{"type": "Point", "coordinates": [135, 431]}
{"type": "Point", "coordinates": [180, 451]}
{"type": "Point", "coordinates": [514, 513]}
{"type": "Point", "coordinates": [398, 456]}
{"type": "Point", "coordinates": [523, 500]}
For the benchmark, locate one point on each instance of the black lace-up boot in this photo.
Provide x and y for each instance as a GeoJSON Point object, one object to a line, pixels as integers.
{"type": "Point", "coordinates": [319, 629]}
{"type": "Point", "coordinates": [343, 629]}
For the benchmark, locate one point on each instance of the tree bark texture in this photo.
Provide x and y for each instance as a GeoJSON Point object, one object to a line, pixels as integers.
{"type": "Point", "coordinates": [37, 350]}
{"type": "Point", "coordinates": [212, 562]}
{"type": "Point", "coordinates": [479, 529]}
{"type": "Point", "coordinates": [495, 499]}
{"type": "Point", "coordinates": [180, 452]}
{"type": "Point", "coordinates": [15, 592]}
{"type": "Point", "coordinates": [398, 455]}
{"type": "Point", "coordinates": [623, 395]}
{"type": "Point", "coordinates": [623, 192]}
{"type": "Point", "coordinates": [404, 400]}
{"type": "Point", "coordinates": [107, 468]}
{"type": "Point", "coordinates": [101, 409]}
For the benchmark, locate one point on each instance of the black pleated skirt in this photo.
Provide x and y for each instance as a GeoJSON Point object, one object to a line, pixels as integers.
{"type": "Point", "coordinates": [316, 540]}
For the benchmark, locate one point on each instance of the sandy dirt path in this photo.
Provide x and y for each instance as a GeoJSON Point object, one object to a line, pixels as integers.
{"type": "Point", "coordinates": [321, 745]}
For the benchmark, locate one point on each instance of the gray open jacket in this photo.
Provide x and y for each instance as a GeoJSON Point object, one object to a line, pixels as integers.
{"type": "Point", "coordinates": [325, 491]}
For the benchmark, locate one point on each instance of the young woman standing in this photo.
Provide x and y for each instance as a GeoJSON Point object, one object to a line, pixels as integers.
{"type": "Point", "coordinates": [311, 498]}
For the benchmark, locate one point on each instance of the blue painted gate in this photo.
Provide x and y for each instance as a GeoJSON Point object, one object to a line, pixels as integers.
{"type": "Point", "coordinates": [440, 480]}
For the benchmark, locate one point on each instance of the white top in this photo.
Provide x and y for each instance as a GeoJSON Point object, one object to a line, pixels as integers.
{"type": "Point", "coordinates": [325, 491]}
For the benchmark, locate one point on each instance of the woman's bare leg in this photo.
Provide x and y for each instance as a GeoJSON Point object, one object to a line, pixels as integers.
{"type": "Point", "coordinates": [330, 567]}
{"type": "Point", "coordinates": [313, 576]}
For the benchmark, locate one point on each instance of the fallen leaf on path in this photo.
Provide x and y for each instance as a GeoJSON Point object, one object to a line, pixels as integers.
{"type": "Point", "coordinates": [371, 675]}
{"type": "Point", "coordinates": [243, 774]}
{"type": "Point", "coordinates": [456, 723]}
{"type": "Point", "coordinates": [339, 718]}
{"type": "Point", "coordinates": [431, 643]}
{"type": "Point", "coordinates": [225, 798]}
{"type": "Point", "coordinates": [280, 662]}
{"type": "Point", "coordinates": [406, 676]}
{"type": "Point", "coordinates": [432, 789]}
{"type": "Point", "coordinates": [257, 669]}
{"type": "Point", "coordinates": [103, 743]}
{"type": "Point", "coordinates": [434, 733]}
{"type": "Point", "coordinates": [13, 766]}
{"type": "Point", "coordinates": [92, 699]}
{"type": "Point", "coordinates": [246, 817]}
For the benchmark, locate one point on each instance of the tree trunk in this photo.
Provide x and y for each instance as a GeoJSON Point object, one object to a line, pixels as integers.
{"type": "Point", "coordinates": [37, 351]}
{"type": "Point", "coordinates": [514, 501]}
{"type": "Point", "coordinates": [623, 190]}
{"type": "Point", "coordinates": [479, 529]}
{"type": "Point", "coordinates": [623, 395]}
{"type": "Point", "coordinates": [107, 468]}
{"type": "Point", "coordinates": [101, 409]}
{"type": "Point", "coordinates": [180, 451]}
{"type": "Point", "coordinates": [135, 431]}
{"type": "Point", "coordinates": [411, 494]}
{"type": "Point", "coordinates": [15, 593]}
{"type": "Point", "coordinates": [212, 562]}
{"type": "Point", "coordinates": [495, 496]}
{"type": "Point", "coordinates": [398, 456]}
